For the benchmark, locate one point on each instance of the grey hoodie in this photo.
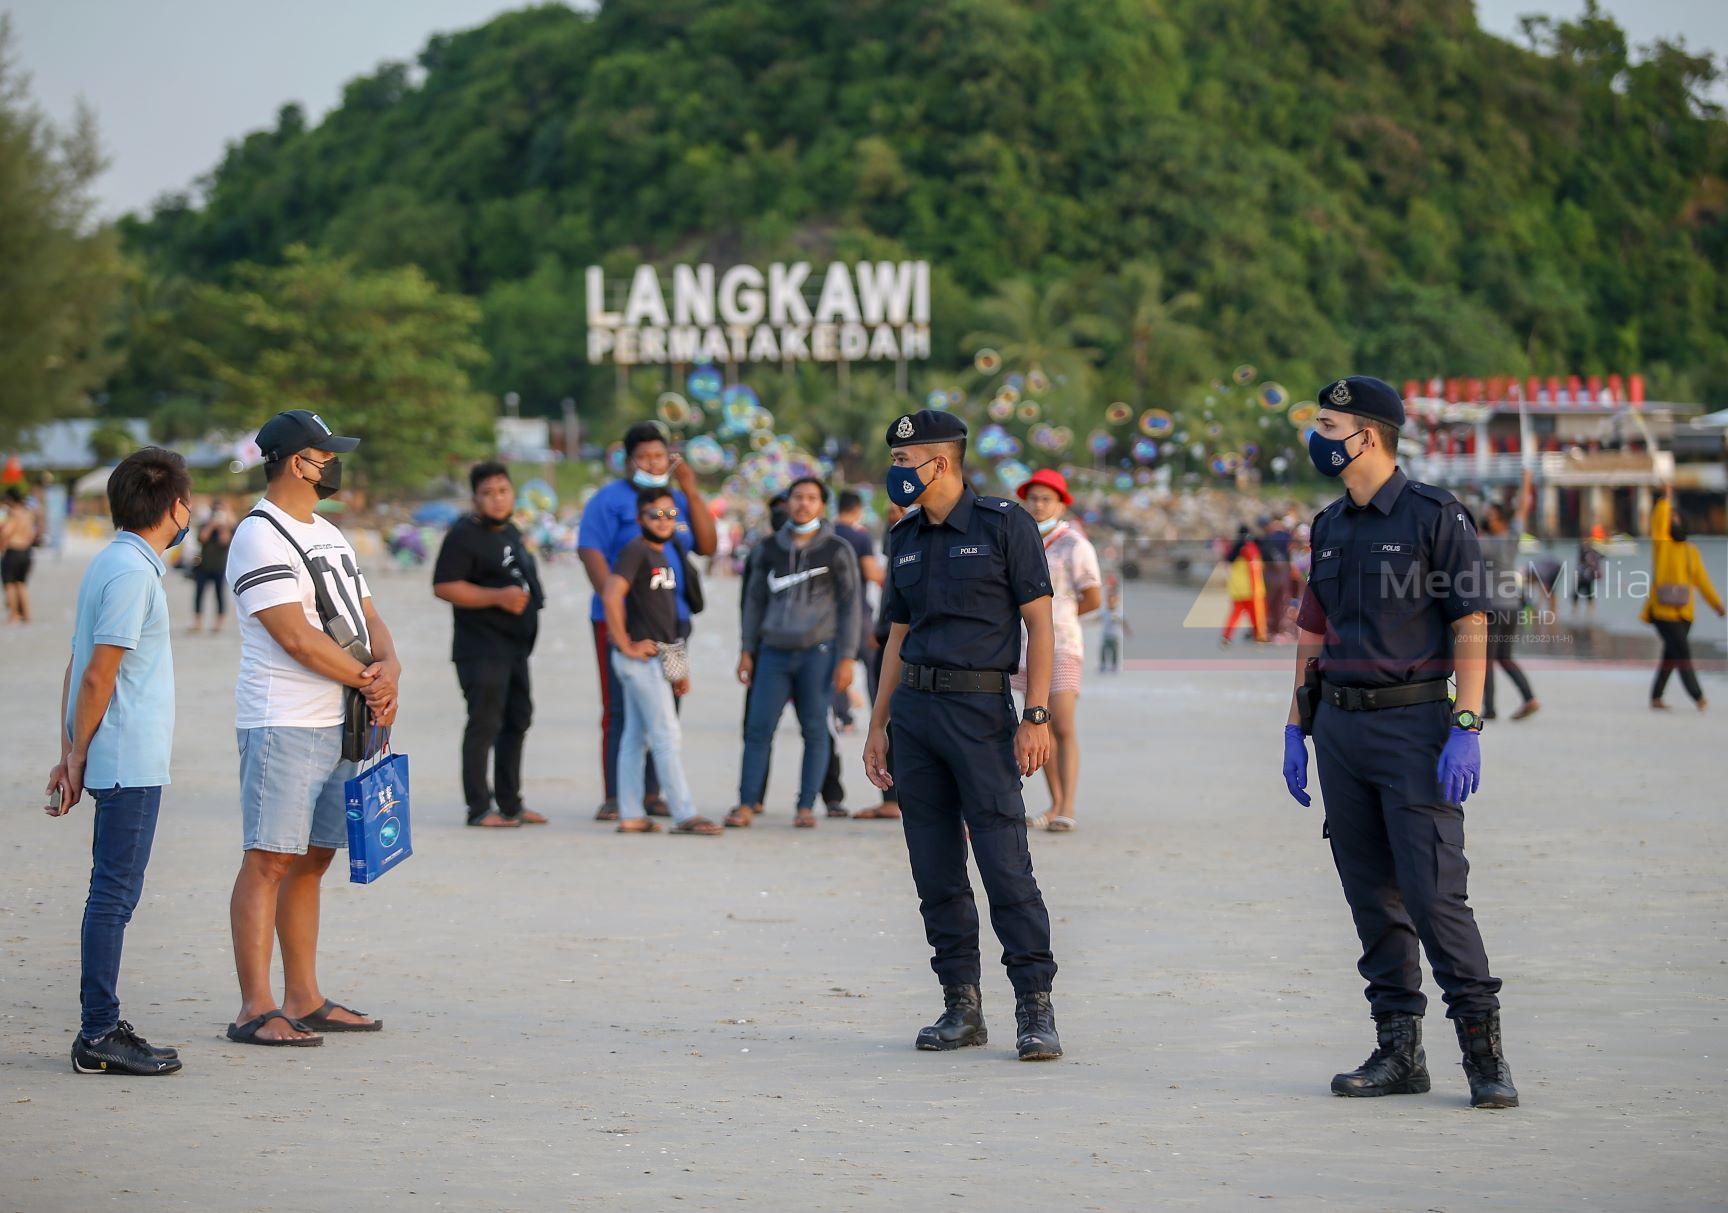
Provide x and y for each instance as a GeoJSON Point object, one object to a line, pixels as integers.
{"type": "Point", "coordinates": [799, 597]}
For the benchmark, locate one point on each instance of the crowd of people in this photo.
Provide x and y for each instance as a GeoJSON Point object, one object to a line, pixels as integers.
{"type": "Point", "coordinates": [970, 599]}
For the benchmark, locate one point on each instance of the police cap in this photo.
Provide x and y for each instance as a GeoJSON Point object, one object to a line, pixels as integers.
{"type": "Point", "coordinates": [926, 426]}
{"type": "Point", "coordinates": [1364, 396]}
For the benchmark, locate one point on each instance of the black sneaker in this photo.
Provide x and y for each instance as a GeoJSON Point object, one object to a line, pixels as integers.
{"type": "Point", "coordinates": [164, 1051]}
{"type": "Point", "coordinates": [122, 1051]}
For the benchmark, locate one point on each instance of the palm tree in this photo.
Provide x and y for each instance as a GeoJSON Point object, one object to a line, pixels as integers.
{"type": "Point", "coordinates": [1039, 330]}
{"type": "Point", "coordinates": [1148, 326]}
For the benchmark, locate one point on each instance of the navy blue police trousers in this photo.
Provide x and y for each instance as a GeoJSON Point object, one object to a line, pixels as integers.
{"type": "Point", "coordinates": [1399, 850]}
{"type": "Point", "coordinates": [954, 768]}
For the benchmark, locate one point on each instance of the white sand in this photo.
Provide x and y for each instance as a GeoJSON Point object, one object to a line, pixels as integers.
{"type": "Point", "coordinates": [578, 1019]}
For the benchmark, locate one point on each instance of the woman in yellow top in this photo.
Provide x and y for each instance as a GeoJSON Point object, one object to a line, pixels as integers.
{"type": "Point", "coordinates": [1678, 569]}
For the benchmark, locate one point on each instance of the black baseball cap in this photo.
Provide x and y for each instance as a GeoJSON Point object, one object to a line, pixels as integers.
{"type": "Point", "coordinates": [297, 430]}
{"type": "Point", "coordinates": [1365, 396]}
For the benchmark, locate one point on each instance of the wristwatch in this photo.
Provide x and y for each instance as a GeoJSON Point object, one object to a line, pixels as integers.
{"type": "Point", "coordinates": [1464, 718]}
{"type": "Point", "coordinates": [1036, 716]}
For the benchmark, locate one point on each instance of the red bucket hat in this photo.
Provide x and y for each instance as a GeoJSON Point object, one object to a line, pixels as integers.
{"type": "Point", "coordinates": [1051, 479]}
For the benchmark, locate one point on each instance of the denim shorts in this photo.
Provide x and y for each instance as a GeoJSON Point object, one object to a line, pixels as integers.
{"type": "Point", "coordinates": [291, 788]}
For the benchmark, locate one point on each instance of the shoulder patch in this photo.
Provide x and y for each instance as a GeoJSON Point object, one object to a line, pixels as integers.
{"type": "Point", "coordinates": [1001, 503]}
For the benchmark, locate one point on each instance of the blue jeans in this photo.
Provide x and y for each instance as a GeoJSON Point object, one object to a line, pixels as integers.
{"type": "Point", "coordinates": [806, 676]}
{"type": "Point", "coordinates": [119, 852]}
{"type": "Point", "coordinates": [650, 726]}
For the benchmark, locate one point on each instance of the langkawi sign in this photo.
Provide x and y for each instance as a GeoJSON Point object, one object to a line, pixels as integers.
{"type": "Point", "coordinates": [867, 311]}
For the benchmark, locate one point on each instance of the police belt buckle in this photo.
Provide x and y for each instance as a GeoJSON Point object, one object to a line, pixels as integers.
{"type": "Point", "coordinates": [1370, 699]}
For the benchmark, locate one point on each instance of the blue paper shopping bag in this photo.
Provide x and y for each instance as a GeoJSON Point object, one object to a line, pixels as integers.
{"type": "Point", "coordinates": [378, 834]}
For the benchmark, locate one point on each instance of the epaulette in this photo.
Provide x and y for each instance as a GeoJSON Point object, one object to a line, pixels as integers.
{"type": "Point", "coordinates": [1001, 503]}
{"type": "Point", "coordinates": [1433, 493]}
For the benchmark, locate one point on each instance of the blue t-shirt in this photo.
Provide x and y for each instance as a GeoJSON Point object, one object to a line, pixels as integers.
{"type": "Point", "coordinates": [609, 524]}
{"type": "Point", "coordinates": [121, 602]}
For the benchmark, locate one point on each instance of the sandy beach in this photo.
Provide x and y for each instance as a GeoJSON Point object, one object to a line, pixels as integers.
{"type": "Point", "coordinates": [577, 1019]}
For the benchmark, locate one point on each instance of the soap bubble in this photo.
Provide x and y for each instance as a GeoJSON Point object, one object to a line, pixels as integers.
{"type": "Point", "coordinates": [1302, 414]}
{"type": "Point", "coordinates": [987, 361]}
{"type": "Point", "coordinates": [705, 454]}
{"type": "Point", "coordinates": [1273, 398]}
{"type": "Point", "coordinates": [1244, 374]}
{"type": "Point", "coordinates": [1030, 411]}
{"type": "Point", "coordinates": [704, 383]}
{"type": "Point", "coordinates": [1118, 412]}
{"type": "Point", "coordinates": [1155, 423]}
{"type": "Point", "coordinates": [673, 409]}
{"type": "Point", "coordinates": [1100, 442]}
{"type": "Point", "coordinates": [1000, 409]}
{"type": "Point", "coordinates": [1037, 381]}
{"type": "Point", "coordinates": [1145, 450]}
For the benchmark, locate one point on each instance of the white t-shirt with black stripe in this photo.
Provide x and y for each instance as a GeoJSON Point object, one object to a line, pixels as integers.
{"type": "Point", "coordinates": [264, 570]}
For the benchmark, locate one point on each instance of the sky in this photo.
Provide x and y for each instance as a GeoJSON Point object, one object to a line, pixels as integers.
{"type": "Point", "coordinates": [173, 81]}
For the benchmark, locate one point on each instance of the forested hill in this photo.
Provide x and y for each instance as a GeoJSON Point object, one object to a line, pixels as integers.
{"type": "Point", "coordinates": [1311, 184]}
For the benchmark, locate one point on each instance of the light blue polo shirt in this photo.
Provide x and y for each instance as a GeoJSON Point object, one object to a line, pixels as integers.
{"type": "Point", "coordinates": [121, 602]}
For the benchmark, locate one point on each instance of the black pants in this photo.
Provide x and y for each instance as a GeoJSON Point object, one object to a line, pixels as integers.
{"type": "Point", "coordinates": [954, 765]}
{"type": "Point", "coordinates": [1399, 850]}
{"type": "Point", "coordinates": [1676, 657]}
{"type": "Point", "coordinates": [1501, 627]}
{"type": "Point", "coordinates": [214, 580]}
{"type": "Point", "coordinates": [500, 709]}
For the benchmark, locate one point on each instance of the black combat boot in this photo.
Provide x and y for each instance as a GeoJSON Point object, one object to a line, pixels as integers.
{"type": "Point", "coordinates": [961, 1022]}
{"type": "Point", "coordinates": [1035, 1023]}
{"type": "Point", "coordinates": [1397, 1066]}
{"type": "Point", "coordinates": [1484, 1064]}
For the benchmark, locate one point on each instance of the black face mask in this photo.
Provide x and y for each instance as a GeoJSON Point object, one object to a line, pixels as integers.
{"type": "Point", "coordinates": [329, 481]}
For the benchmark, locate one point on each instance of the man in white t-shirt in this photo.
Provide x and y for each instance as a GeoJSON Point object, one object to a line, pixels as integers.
{"type": "Point", "coordinates": [288, 701]}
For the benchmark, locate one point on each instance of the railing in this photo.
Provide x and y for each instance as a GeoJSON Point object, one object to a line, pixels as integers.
{"type": "Point", "coordinates": [1605, 468]}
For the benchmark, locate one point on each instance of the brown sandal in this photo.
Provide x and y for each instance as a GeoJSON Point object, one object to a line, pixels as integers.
{"type": "Point", "coordinates": [881, 812]}
{"type": "Point", "coordinates": [698, 825]}
{"type": "Point", "coordinates": [740, 817]}
{"type": "Point", "coordinates": [641, 825]}
{"type": "Point", "coordinates": [805, 820]}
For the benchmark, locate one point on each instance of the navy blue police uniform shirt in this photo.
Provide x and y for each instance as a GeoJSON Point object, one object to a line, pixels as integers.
{"type": "Point", "coordinates": [1388, 580]}
{"type": "Point", "coordinates": [959, 584]}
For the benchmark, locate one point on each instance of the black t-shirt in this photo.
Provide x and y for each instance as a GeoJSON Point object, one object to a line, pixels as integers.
{"type": "Point", "coordinates": [651, 605]}
{"type": "Point", "coordinates": [491, 558]}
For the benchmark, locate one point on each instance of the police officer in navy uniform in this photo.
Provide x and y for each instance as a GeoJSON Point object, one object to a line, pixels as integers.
{"type": "Point", "coordinates": [1394, 607]}
{"type": "Point", "coordinates": [964, 573]}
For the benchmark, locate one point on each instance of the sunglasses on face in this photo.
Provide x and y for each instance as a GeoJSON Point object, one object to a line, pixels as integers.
{"type": "Point", "coordinates": [660, 515]}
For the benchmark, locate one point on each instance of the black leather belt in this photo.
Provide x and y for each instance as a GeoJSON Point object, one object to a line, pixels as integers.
{"type": "Point", "coordinates": [934, 678]}
{"type": "Point", "coordinates": [1368, 699]}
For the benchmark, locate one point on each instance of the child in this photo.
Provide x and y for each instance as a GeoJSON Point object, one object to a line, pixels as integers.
{"type": "Point", "coordinates": [641, 601]}
{"type": "Point", "coordinates": [1115, 628]}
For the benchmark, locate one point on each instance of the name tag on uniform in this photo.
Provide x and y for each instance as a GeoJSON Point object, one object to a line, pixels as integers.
{"type": "Point", "coordinates": [969, 549]}
{"type": "Point", "coordinates": [1392, 548]}
{"type": "Point", "coordinates": [1325, 553]}
{"type": "Point", "coordinates": [908, 558]}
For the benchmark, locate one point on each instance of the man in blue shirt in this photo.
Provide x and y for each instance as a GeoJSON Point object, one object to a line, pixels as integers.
{"type": "Point", "coordinates": [117, 728]}
{"type": "Point", "coordinates": [608, 525]}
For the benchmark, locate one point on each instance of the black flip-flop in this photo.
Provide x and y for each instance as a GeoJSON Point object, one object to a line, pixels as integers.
{"type": "Point", "coordinates": [247, 1033]}
{"type": "Point", "coordinates": [320, 1021]}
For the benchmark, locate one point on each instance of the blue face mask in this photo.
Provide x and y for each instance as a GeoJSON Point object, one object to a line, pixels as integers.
{"type": "Point", "coordinates": [647, 480]}
{"type": "Point", "coordinates": [904, 486]}
{"type": "Point", "coordinates": [1330, 455]}
{"type": "Point", "coordinates": [180, 535]}
{"type": "Point", "coordinates": [806, 528]}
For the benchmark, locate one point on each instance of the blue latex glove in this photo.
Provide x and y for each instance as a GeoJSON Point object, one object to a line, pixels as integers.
{"type": "Point", "coordinates": [1460, 769]}
{"type": "Point", "coordinates": [1296, 764]}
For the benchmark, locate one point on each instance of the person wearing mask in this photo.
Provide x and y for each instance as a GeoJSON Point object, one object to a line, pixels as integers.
{"type": "Point", "coordinates": [211, 571]}
{"type": "Point", "coordinates": [1394, 608]}
{"type": "Point", "coordinates": [289, 710]}
{"type": "Point", "coordinates": [116, 734]}
{"type": "Point", "coordinates": [1499, 542]}
{"type": "Point", "coordinates": [640, 598]}
{"type": "Point", "coordinates": [1077, 590]}
{"type": "Point", "coordinates": [1678, 569]}
{"type": "Point", "coordinates": [609, 523]}
{"type": "Point", "coordinates": [797, 638]}
{"type": "Point", "coordinates": [489, 578]}
{"type": "Point", "coordinates": [967, 582]}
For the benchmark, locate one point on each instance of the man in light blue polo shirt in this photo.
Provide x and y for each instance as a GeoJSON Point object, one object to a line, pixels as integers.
{"type": "Point", "coordinates": [608, 525]}
{"type": "Point", "coordinates": [117, 728]}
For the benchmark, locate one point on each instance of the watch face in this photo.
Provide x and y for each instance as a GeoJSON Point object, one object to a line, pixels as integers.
{"type": "Point", "coordinates": [1467, 720]}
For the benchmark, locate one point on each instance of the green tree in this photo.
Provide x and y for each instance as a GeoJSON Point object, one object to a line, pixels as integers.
{"type": "Point", "coordinates": [382, 355]}
{"type": "Point", "coordinates": [60, 272]}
